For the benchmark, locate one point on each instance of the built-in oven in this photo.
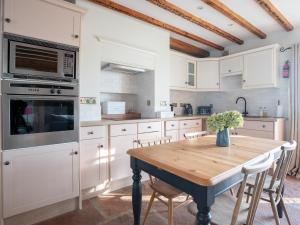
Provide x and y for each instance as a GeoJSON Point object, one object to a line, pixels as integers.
{"type": "Point", "coordinates": [38, 113]}
{"type": "Point", "coordinates": [24, 57]}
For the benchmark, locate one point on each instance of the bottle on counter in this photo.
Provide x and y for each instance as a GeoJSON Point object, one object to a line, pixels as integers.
{"type": "Point", "coordinates": [265, 112]}
{"type": "Point", "coordinates": [261, 111]}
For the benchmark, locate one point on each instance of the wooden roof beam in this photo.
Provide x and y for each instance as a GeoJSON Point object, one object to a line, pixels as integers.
{"type": "Point", "coordinates": [135, 14]}
{"type": "Point", "coordinates": [186, 48]}
{"type": "Point", "coordinates": [275, 14]}
{"type": "Point", "coordinates": [196, 20]}
{"type": "Point", "coordinates": [219, 6]}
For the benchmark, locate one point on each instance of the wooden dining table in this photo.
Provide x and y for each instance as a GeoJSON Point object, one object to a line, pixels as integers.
{"type": "Point", "coordinates": [197, 167]}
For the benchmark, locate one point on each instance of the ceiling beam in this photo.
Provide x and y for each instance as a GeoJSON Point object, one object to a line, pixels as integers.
{"type": "Point", "coordinates": [130, 12]}
{"type": "Point", "coordinates": [219, 6]}
{"type": "Point", "coordinates": [272, 10]}
{"type": "Point", "coordinates": [196, 20]}
{"type": "Point", "coordinates": [186, 48]}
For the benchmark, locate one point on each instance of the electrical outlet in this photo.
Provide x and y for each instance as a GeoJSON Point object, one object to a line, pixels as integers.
{"type": "Point", "coordinates": [87, 100]}
{"type": "Point", "coordinates": [148, 102]}
{"type": "Point", "coordinates": [163, 103]}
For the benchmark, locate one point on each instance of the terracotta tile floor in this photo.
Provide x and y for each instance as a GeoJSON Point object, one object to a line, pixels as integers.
{"type": "Point", "coordinates": [115, 209]}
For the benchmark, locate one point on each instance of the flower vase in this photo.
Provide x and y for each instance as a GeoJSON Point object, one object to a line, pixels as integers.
{"type": "Point", "coordinates": [223, 139]}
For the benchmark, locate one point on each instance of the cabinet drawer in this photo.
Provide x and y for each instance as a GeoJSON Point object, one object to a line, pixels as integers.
{"type": "Point", "coordinates": [92, 132]}
{"type": "Point", "coordinates": [258, 125]}
{"type": "Point", "coordinates": [184, 124]}
{"type": "Point", "coordinates": [123, 129]}
{"type": "Point", "coordinates": [255, 133]}
{"type": "Point", "coordinates": [172, 125]}
{"type": "Point", "coordinates": [174, 134]}
{"type": "Point", "coordinates": [149, 127]}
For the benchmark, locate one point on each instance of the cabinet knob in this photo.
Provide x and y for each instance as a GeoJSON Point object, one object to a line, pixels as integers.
{"type": "Point", "coordinates": [7, 20]}
{"type": "Point", "coordinates": [217, 83]}
{"type": "Point", "coordinates": [244, 81]}
{"type": "Point", "coordinates": [90, 133]}
{"type": "Point", "coordinates": [75, 153]}
{"type": "Point", "coordinates": [184, 124]}
{"type": "Point", "coordinates": [6, 163]}
{"type": "Point", "coordinates": [149, 127]}
{"type": "Point", "coordinates": [76, 36]}
{"type": "Point", "coordinates": [229, 71]}
{"type": "Point", "coordinates": [124, 130]}
{"type": "Point", "coordinates": [263, 126]}
{"type": "Point", "coordinates": [172, 125]}
{"type": "Point", "coordinates": [100, 146]}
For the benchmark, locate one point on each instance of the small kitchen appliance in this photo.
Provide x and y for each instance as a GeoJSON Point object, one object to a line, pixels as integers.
{"type": "Point", "coordinates": [188, 109]}
{"type": "Point", "coordinates": [113, 107]}
{"type": "Point", "coordinates": [204, 110]}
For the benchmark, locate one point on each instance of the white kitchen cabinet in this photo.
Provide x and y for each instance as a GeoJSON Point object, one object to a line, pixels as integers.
{"type": "Point", "coordinates": [231, 65]}
{"type": "Point", "coordinates": [182, 72]}
{"type": "Point", "coordinates": [119, 159]}
{"type": "Point", "coordinates": [54, 20]}
{"type": "Point", "coordinates": [94, 162]}
{"type": "Point", "coordinates": [39, 176]}
{"type": "Point", "coordinates": [208, 77]}
{"type": "Point", "coordinates": [260, 69]}
{"type": "Point", "coordinates": [174, 134]}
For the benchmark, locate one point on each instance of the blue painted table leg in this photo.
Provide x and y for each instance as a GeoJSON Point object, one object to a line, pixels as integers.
{"type": "Point", "coordinates": [136, 193]}
{"type": "Point", "coordinates": [203, 215]}
{"type": "Point", "coordinates": [204, 198]}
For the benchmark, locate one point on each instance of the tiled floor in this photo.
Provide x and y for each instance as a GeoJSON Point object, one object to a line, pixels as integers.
{"type": "Point", "coordinates": [115, 209]}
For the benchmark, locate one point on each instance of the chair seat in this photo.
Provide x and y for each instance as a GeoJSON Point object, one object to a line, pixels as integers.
{"type": "Point", "coordinates": [165, 189]}
{"type": "Point", "coordinates": [222, 210]}
{"type": "Point", "coordinates": [251, 182]}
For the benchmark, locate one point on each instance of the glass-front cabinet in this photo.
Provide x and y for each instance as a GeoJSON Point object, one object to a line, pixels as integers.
{"type": "Point", "coordinates": [191, 74]}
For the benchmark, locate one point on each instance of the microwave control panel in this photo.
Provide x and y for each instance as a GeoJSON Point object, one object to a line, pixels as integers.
{"type": "Point", "coordinates": [69, 62]}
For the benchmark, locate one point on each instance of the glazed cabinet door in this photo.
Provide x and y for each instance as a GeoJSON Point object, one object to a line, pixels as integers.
{"type": "Point", "coordinates": [42, 20]}
{"type": "Point", "coordinates": [94, 162]}
{"type": "Point", "coordinates": [39, 176]}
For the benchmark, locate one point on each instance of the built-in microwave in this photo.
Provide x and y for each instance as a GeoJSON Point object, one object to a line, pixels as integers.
{"type": "Point", "coordinates": [30, 58]}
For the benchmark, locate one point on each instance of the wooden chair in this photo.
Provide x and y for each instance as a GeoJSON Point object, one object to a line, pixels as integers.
{"type": "Point", "coordinates": [228, 210]}
{"type": "Point", "coordinates": [274, 184]}
{"type": "Point", "coordinates": [161, 188]}
{"type": "Point", "coordinates": [195, 135]}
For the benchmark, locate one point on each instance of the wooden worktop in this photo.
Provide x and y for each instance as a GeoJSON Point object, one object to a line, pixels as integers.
{"type": "Point", "coordinates": [202, 162]}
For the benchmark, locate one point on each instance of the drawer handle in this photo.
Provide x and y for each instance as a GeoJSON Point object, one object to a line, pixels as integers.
{"type": "Point", "coordinates": [263, 126]}
{"type": "Point", "coordinates": [197, 123]}
{"type": "Point", "coordinates": [149, 127]}
{"type": "Point", "coordinates": [184, 124]}
{"type": "Point", "coordinates": [172, 125]}
{"type": "Point", "coordinates": [6, 163]}
{"type": "Point", "coordinates": [123, 130]}
{"type": "Point", "coordinates": [90, 132]}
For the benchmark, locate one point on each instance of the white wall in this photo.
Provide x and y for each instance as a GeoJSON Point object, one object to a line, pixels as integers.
{"type": "Point", "coordinates": [108, 24]}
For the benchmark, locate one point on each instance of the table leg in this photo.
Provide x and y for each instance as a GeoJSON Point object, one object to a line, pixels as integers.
{"type": "Point", "coordinates": [279, 206]}
{"type": "Point", "coordinates": [136, 195]}
{"type": "Point", "coordinates": [203, 206]}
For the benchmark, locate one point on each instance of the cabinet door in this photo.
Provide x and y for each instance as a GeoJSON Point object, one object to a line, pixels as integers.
{"type": "Point", "coordinates": [208, 78]}
{"type": "Point", "coordinates": [178, 71]}
{"type": "Point", "coordinates": [119, 159]}
{"type": "Point", "coordinates": [42, 20]}
{"type": "Point", "coordinates": [231, 66]}
{"type": "Point", "coordinates": [94, 162]}
{"type": "Point", "coordinates": [260, 69]}
{"type": "Point", "coordinates": [39, 176]}
{"type": "Point", "coordinates": [191, 74]}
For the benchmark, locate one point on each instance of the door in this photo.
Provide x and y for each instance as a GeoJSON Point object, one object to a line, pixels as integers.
{"type": "Point", "coordinates": [41, 20]}
{"type": "Point", "coordinates": [259, 69]}
{"type": "Point", "coordinates": [39, 176]}
{"type": "Point", "coordinates": [178, 71]}
{"type": "Point", "coordinates": [208, 78]}
{"type": "Point", "coordinates": [191, 74]}
{"type": "Point", "coordinates": [94, 162]}
{"type": "Point", "coordinates": [119, 159]}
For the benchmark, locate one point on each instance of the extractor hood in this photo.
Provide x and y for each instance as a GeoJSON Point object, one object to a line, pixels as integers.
{"type": "Point", "coordinates": [122, 68]}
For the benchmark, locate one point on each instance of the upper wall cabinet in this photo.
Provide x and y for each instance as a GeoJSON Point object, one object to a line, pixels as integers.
{"type": "Point", "coordinates": [51, 20]}
{"type": "Point", "coordinates": [208, 78]}
{"type": "Point", "coordinates": [182, 72]}
{"type": "Point", "coordinates": [261, 69]}
{"type": "Point", "coordinates": [231, 66]}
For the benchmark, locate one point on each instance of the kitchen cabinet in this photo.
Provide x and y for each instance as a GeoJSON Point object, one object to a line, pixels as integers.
{"type": "Point", "coordinates": [40, 18]}
{"type": "Point", "coordinates": [261, 69]}
{"type": "Point", "coordinates": [172, 130]}
{"type": "Point", "coordinates": [39, 176]}
{"type": "Point", "coordinates": [182, 72]}
{"type": "Point", "coordinates": [231, 65]}
{"type": "Point", "coordinates": [208, 77]}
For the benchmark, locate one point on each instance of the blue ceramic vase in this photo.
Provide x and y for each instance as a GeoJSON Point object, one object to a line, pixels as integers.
{"type": "Point", "coordinates": [223, 139]}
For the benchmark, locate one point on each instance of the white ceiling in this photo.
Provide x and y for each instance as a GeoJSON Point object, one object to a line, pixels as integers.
{"type": "Point", "coordinates": [248, 9]}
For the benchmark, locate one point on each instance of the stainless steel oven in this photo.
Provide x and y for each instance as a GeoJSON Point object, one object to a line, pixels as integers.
{"type": "Point", "coordinates": [38, 113]}
{"type": "Point", "coordinates": [23, 57]}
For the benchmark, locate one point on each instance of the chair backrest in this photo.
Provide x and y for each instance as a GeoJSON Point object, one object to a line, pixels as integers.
{"type": "Point", "coordinates": [282, 167]}
{"type": "Point", "coordinates": [150, 142]}
{"type": "Point", "coordinates": [194, 135]}
{"type": "Point", "coordinates": [260, 170]}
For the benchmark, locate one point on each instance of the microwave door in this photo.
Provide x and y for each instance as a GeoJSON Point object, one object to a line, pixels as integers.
{"type": "Point", "coordinates": [34, 60]}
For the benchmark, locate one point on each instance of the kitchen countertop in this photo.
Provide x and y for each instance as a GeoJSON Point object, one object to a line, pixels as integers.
{"type": "Point", "coordinates": [146, 120]}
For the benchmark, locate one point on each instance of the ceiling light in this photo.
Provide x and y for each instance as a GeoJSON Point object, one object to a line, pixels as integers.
{"type": "Point", "coordinates": [200, 7]}
{"type": "Point", "coordinates": [230, 24]}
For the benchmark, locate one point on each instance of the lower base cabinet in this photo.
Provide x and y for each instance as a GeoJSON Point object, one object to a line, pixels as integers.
{"type": "Point", "coordinates": [39, 176]}
{"type": "Point", "coordinates": [173, 134]}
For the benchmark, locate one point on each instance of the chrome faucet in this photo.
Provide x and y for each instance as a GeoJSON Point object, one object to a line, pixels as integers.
{"type": "Point", "coordinates": [245, 108]}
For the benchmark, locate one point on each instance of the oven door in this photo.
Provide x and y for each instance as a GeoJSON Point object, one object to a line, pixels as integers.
{"type": "Point", "coordinates": [39, 120]}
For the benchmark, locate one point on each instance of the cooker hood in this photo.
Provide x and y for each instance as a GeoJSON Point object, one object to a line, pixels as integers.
{"type": "Point", "coordinates": [122, 68]}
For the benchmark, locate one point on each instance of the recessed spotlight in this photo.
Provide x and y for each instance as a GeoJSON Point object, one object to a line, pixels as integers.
{"type": "Point", "coordinates": [230, 24]}
{"type": "Point", "coordinates": [200, 7]}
